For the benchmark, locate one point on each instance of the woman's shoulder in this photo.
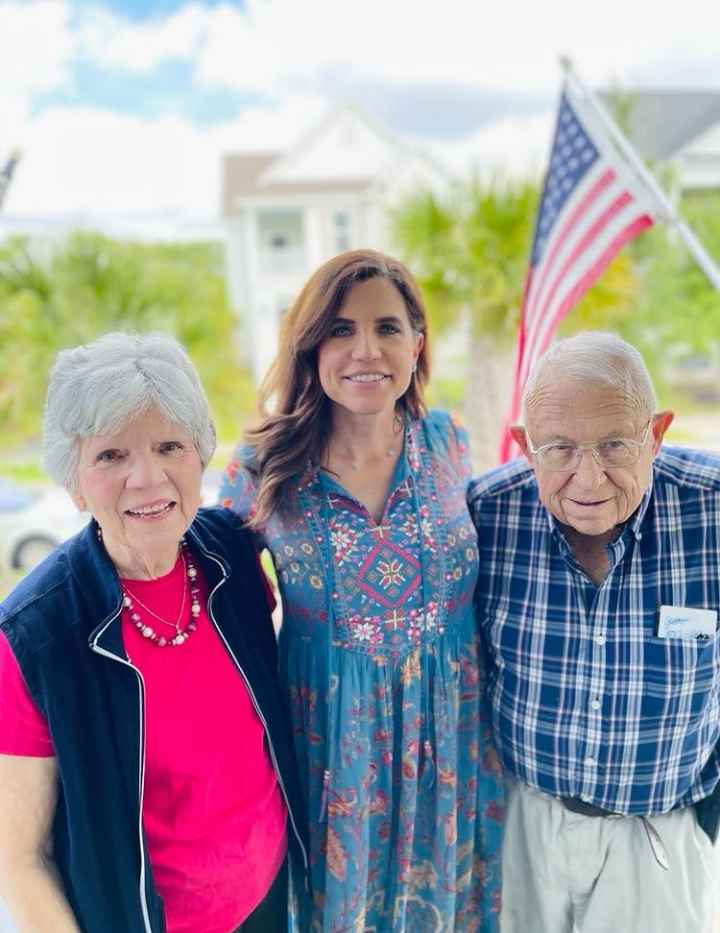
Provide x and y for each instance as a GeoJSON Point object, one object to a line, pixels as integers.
{"type": "Point", "coordinates": [244, 456]}
{"type": "Point", "coordinates": [46, 603]}
{"type": "Point", "coordinates": [447, 441]}
{"type": "Point", "coordinates": [220, 524]}
{"type": "Point", "coordinates": [40, 586]}
{"type": "Point", "coordinates": [442, 429]}
{"type": "Point", "coordinates": [239, 484]}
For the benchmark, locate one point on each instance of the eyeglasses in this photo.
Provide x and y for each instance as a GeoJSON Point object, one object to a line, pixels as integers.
{"type": "Point", "coordinates": [613, 452]}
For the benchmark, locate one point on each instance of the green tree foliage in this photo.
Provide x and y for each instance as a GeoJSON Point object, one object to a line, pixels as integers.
{"type": "Point", "coordinates": [674, 310]}
{"type": "Point", "coordinates": [675, 283]}
{"type": "Point", "coordinates": [469, 250]}
{"type": "Point", "coordinates": [90, 284]}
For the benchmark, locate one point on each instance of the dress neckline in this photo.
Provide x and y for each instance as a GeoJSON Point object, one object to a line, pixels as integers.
{"type": "Point", "coordinates": [401, 473]}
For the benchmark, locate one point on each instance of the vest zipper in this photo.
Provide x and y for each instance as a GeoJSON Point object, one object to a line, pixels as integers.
{"type": "Point", "coordinates": [141, 774]}
{"type": "Point", "coordinates": [257, 710]}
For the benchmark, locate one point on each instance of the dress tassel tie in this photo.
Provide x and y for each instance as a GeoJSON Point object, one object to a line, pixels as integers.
{"type": "Point", "coordinates": [324, 795]}
{"type": "Point", "coordinates": [427, 764]}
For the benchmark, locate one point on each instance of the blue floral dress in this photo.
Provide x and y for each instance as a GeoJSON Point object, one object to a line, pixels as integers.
{"type": "Point", "coordinates": [380, 655]}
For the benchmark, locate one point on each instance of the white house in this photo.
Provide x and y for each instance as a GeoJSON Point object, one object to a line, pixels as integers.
{"type": "Point", "coordinates": [284, 213]}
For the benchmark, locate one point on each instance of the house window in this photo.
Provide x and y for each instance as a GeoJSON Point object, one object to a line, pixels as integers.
{"type": "Point", "coordinates": [341, 230]}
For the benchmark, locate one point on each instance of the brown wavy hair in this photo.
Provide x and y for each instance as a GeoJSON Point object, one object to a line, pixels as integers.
{"type": "Point", "coordinates": [294, 434]}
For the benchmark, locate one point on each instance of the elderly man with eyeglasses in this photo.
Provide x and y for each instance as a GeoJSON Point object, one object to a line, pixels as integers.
{"type": "Point", "coordinates": [598, 597]}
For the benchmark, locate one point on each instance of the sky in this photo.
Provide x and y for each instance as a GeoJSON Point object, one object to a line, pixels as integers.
{"type": "Point", "coordinates": [124, 108]}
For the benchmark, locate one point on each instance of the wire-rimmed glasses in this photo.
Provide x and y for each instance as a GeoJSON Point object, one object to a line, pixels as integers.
{"type": "Point", "coordinates": [611, 453]}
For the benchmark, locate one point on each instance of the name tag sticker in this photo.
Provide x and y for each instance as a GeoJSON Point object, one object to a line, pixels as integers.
{"type": "Point", "coordinates": [682, 622]}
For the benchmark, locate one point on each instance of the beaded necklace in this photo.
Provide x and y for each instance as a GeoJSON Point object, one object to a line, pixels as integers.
{"type": "Point", "coordinates": [181, 634]}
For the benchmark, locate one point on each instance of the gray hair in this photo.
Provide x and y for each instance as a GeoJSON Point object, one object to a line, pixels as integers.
{"type": "Point", "coordinates": [100, 387]}
{"type": "Point", "coordinates": [598, 358]}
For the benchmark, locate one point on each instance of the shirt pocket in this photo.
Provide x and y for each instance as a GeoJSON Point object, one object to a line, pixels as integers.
{"type": "Point", "coordinates": [680, 671]}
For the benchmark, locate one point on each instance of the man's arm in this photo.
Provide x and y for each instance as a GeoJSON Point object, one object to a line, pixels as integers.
{"type": "Point", "coordinates": [29, 884]}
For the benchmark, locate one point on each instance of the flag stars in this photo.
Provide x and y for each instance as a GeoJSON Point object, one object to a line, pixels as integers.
{"type": "Point", "coordinates": [572, 154]}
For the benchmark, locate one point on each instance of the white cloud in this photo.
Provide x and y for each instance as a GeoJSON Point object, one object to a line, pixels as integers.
{"type": "Point", "coordinates": [278, 45]}
{"type": "Point", "coordinates": [105, 163]}
{"type": "Point", "coordinates": [109, 170]}
{"type": "Point", "coordinates": [36, 46]}
{"type": "Point", "coordinates": [113, 41]}
{"type": "Point", "coordinates": [94, 166]}
{"type": "Point", "coordinates": [511, 46]}
{"type": "Point", "coordinates": [516, 146]}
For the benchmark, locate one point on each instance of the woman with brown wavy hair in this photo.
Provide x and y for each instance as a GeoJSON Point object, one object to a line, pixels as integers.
{"type": "Point", "coordinates": [359, 494]}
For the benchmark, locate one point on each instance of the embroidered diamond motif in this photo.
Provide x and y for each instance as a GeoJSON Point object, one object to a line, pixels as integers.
{"type": "Point", "coordinates": [389, 574]}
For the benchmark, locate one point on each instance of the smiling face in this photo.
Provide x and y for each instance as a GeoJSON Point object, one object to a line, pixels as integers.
{"type": "Point", "coordinates": [142, 485]}
{"type": "Point", "coordinates": [365, 364]}
{"type": "Point", "coordinates": [590, 498]}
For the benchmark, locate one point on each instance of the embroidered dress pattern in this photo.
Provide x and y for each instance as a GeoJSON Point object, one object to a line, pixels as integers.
{"type": "Point", "coordinates": [381, 660]}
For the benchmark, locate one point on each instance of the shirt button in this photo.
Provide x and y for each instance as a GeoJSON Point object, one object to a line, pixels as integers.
{"type": "Point", "coordinates": [589, 761]}
{"type": "Point", "coordinates": [600, 640]}
{"type": "Point", "coordinates": [595, 704]}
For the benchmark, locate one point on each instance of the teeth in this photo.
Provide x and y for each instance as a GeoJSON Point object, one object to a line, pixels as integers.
{"type": "Point", "coordinates": [366, 377]}
{"type": "Point", "coordinates": [150, 509]}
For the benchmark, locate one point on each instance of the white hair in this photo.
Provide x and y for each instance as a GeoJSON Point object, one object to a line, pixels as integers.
{"type": "Point", "coordinates": [102, 386]}
{"type": "Point", "coordinates": [594, 357]}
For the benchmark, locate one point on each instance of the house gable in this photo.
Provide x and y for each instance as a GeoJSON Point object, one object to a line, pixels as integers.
{"type": "Point", "coordinates": [346, 147]}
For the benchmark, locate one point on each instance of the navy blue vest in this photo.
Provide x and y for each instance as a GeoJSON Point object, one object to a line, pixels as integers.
{"type": "Point", "coordinates": [63, 624]}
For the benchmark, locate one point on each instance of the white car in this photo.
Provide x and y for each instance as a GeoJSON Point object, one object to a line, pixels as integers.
{"type": "Point", "coordinates": [45, 517]}
{"type": "Point", "coordinates": [27, 535]}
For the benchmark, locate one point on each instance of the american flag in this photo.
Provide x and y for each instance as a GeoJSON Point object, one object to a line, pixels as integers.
{"type": "Point", "coordinates": [593, 202]}
{"type": "Point", "coordinates": [6, 174]}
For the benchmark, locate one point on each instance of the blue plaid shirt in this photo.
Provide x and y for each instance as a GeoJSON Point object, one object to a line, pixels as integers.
{"type": "Point", "coordinates": [587, 700]}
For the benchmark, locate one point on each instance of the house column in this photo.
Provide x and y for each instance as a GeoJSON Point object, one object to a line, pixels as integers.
{"type": "Point", "coordinates": [252, 287]}
{"type": "Point", "coordinates": [315, 252]}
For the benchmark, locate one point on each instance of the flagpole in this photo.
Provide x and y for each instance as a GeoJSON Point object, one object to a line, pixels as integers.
{"type": "Point", "coordinates": [703, 258]}
{"type": "Point", "coordinates": [6, 173]}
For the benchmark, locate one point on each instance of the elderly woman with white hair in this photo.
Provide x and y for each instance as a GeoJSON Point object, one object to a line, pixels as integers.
{"type": "Point", "coordinates": [147, 782]}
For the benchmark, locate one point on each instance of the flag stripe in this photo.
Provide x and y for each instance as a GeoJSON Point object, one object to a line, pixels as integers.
{"type": "Point", "coordinates": [591, 206]}
{"type": "Point", "coordinates": [593, 209]}
{"type": "Point", "coordinates": [592, 273]}
{"type": "Point", "coordinates": [593, 262]}
{"type": "Point", "coordinates": [579, 253]}
{"type": "Point", "coordinates": [581, 208]}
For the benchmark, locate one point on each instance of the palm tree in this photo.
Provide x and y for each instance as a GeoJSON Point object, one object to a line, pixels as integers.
{"type": "Point", "coordinates": [469, 250]}
{"type": "Point", "coordinates": [89, 284]}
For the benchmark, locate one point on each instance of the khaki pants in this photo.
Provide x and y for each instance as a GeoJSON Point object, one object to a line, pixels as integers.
{"type": "Point", "coordinates": [564, 872]}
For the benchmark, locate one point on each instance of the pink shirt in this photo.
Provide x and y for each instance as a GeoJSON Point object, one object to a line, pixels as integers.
{"type": "Point", "coordinates": [213, 812]}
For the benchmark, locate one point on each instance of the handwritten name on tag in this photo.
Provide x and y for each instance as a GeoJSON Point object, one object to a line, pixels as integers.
{"type": "Point", "coordinates": [683, 622]}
